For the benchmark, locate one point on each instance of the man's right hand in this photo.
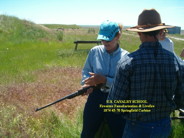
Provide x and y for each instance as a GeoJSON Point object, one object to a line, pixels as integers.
{"type": "Point", "coordinates": [90, 90]}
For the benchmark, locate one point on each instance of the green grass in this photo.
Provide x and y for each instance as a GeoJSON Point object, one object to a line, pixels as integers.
{"type": "Point", "coordinates": [53, 125]}
{"type": "Point", "coordinates": [48, 124]}
{"type": "Point", "coordinates": [22, 59]}
{"type": "Point", "coordinates": [28, 47]}
{"type": "Point", "coordinates": [30, 57]}
{"type": "Point", "coordinates": [178, 129]}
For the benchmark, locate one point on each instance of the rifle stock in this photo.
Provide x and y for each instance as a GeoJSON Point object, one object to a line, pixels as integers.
{"type": "Point", "coordinates": [77, 93]}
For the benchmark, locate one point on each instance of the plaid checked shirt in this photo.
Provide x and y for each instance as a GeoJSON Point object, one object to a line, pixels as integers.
{"type": "Point", "coordinates": [152, 74]}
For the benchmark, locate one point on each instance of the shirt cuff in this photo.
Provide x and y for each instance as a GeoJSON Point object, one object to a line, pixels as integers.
{"type": "Point", "coordinates": [109, 82]}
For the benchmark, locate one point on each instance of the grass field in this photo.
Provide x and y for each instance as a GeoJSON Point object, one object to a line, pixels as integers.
{"type": "Point", "coordinates": [38, 66]}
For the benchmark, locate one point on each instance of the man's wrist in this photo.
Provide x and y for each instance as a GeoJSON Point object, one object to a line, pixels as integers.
{"type": "Point", "coordinates": [104, 80]}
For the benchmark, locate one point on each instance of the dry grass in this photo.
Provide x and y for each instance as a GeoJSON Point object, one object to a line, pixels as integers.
{"type": "Point", "coordinates": [51, 84]}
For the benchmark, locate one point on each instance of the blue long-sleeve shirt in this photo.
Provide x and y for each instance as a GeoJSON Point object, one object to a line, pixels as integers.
{"type": "Point", "coordinates": [152, 74]}
{"type": "Point", "coordinates": [101, 62]}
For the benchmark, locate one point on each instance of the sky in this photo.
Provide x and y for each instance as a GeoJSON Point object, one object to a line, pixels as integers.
{"type": "Point", "coordinates": [92, 12]}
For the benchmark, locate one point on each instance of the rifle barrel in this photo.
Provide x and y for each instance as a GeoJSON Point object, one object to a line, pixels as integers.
{"type": "Point", "coordinates": [79, 92]}
{"type": "Point", "coordinates": [51, 104]}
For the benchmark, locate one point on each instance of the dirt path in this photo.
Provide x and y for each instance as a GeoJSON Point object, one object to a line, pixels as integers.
{"type": "Point", "coordinates": [176, 38]}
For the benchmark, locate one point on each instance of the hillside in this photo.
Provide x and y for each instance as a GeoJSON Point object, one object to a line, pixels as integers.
{"type": "Point", "coordinates": [61, 26]}
{"type": "Point", "coordinates": [15, 29]}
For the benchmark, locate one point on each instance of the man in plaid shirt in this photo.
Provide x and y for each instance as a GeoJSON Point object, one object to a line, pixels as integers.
{"type": "Point", "coordinates": [152, 75]}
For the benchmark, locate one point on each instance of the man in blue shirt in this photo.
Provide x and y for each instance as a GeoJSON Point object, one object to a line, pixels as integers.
{"type": "Point", "coordinates": [99, 70]}
{"type": "Point", "coordinates": [151, 79]}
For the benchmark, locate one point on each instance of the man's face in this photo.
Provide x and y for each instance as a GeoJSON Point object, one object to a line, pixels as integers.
{"type": "Point", "coordinates": [162, 36]}
{"type": "Point", "coordinates": [110, 46]}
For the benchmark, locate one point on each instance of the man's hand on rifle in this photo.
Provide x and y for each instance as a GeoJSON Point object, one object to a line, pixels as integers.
{"type": "Point", "coordinates": [94, 80]}
{"type": "Point", "coordinates": [90, 90]}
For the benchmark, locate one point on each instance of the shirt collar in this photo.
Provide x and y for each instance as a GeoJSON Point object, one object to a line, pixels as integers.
{"type": "Point", "coordinates": [150, 44]}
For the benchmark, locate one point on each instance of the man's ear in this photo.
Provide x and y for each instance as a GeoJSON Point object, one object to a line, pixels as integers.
{"type": "Point", "coordinates": [139, 33]}
{"type": "Point", "coordinates": [118, 36]}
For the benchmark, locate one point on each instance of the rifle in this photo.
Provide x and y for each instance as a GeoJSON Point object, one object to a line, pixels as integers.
{"type": "Point", "coordinates": [77, 93]}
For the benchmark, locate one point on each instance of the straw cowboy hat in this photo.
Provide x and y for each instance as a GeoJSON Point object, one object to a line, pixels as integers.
{"type": "Point", "coordinates": [149, 20]}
